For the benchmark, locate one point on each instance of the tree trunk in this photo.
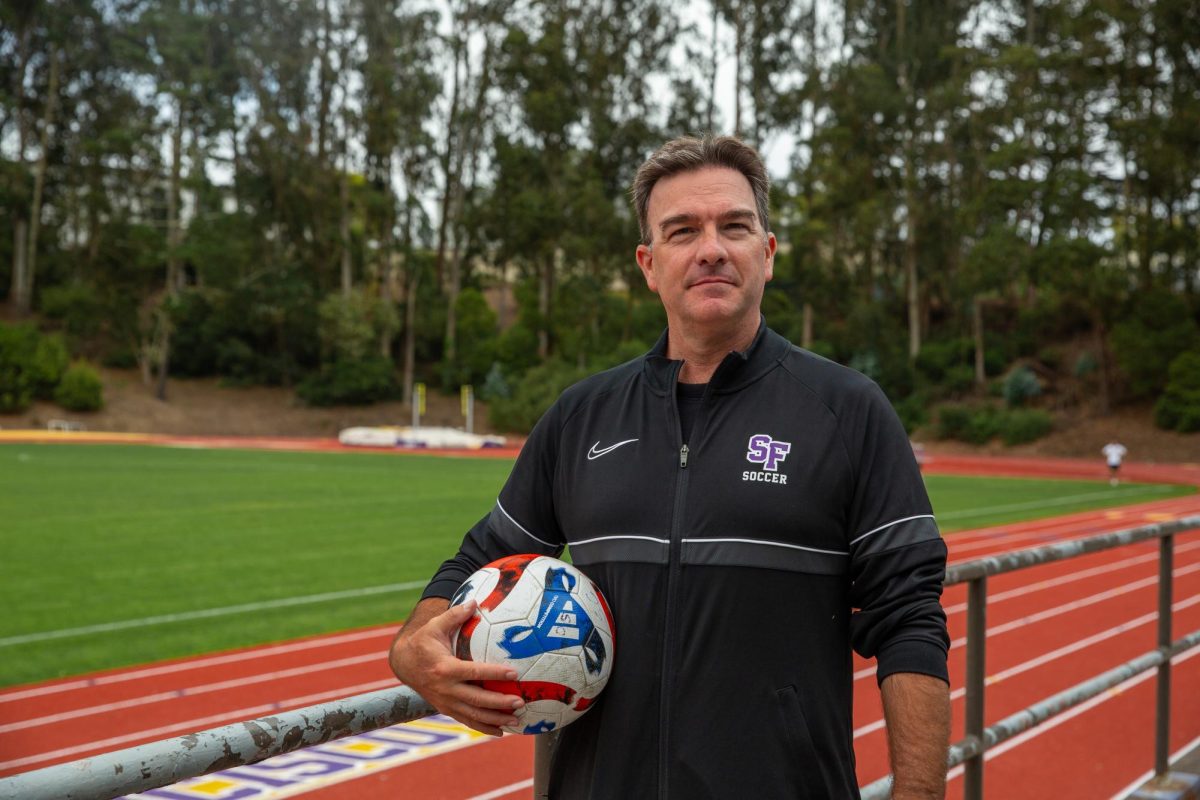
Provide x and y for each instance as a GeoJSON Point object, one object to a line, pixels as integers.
{"type": "Point", "coordinates": [977, 330]}
{"type": "Point", "coordinates": [344, 230]}
{"type": "Point", "coordinates": [23, 300]}
{"type": "Point", "coordinates": [806, 335]}
{"type": "Point", "coordinates": [710, 111]}
{"type": "Point", "coordinates": [410, 330]}
{"type": "Point", "coordinates": [20, 272]}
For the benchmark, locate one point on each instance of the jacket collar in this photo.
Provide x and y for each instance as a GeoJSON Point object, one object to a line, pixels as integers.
{"type": "Point", "coordinates": [738, 369]}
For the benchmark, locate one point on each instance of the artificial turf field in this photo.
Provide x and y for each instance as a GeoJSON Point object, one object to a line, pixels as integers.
{"type": "Point", "coordinates": [102, 538]}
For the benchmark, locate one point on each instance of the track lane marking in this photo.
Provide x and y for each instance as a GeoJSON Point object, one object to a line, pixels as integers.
{"type": "Point", "coordinates": [199, 663]}
{"type": "Point", "coordinates": [190, 691]}
{"type": "Point", "coordinates": [201, 723]}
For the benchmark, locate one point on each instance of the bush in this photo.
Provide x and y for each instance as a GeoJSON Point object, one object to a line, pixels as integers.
{"type": "Point", "coordinates": [981, 425]}
{"type": "Point", "coordinates": [80, 389]}
{"type": "Point", "coordinates": [1085, 365]}
{"type": "Point", "coordinates": [1179, 407]}
{"type": "Point", "coordinates": [1160, 328]}
{"type": "Point", "coordinates": [938, 358]}
{"type": "Point", "coordinates": [31, 365]}
{"type": "Point", "coordinates": [1020, 386]}
{"type": "Point", "coordinates": [531, 395]}
{"type": "Point", "coordinates": [1024, 425]}
{"type": "Point", "coordinates": [952, 422]}
{"type": "Point", "coordinates": [350, 383]}
{"type": "Point", "coordinates": [912, 412]}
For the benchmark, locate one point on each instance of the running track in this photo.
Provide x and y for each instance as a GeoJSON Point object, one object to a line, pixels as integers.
{"type": "Point", "coordinates": [1049, 627]}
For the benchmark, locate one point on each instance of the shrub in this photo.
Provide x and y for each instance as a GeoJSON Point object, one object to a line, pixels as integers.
{"type": "Point", "coordinates": [938, 358]}
{"type": "Point", "coordinates": [1024, 425]}
{"type": "Point", "coordinates": [1020, 386]}
{"type": "Point", "coordinates": [983, 426]}
{"type": "Point", "coordinates": [1085, 365]}
{"type": "Point", "coordinates": [1179, 407]}
{"type": "Point", "coordinates": [350, 383]}
{"type": "Point", "coordinates": [80, 389]}
{"type": "Point", "coordinates": [912, 412]}
{"type": "Point", "coordinates": [531, 395]}
{"type": "Point", "coordinates": [31, 365]}
{"type": "Point", "coordinates": [952, 421]}
{"type": "Point", "coordinates": [1160, 328]}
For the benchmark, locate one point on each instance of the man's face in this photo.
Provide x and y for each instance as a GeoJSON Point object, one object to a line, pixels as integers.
{"type": "Point", "coordinates": [709, 258]}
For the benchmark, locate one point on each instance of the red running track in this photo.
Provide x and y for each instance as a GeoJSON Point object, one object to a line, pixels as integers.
{"type": "Point", "coordinates": [1049, 627]}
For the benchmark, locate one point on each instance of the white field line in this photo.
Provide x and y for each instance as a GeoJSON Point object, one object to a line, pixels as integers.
{"type": "Point", "coordinates": [193, 725]}
{"type": "Point", "coordinates": [504, 790]}
{"type": "Point", "coordinates": [1178, 504]}
{"type": "Point", "coordinates": [1053, 655]}
{"type": "Point", "coordinates": [1002, 537]}
{"type": "Point", "coordinates": [203, 613]}
{"type": "Point", "coordinates": [1058, 501]}
{"type": "Point", "coordinates": [1148, 774]}
{"type": "Point", "coordinates": [1056, 611]}
{"type": "Point", "coordinates": [1082, 574]}
{"type": "Point", "coordinates": [1070, 714]}
{"type": "Point", "coordinates": [199, 663]}
{"type": "Point", "coordinates": [190, 691]}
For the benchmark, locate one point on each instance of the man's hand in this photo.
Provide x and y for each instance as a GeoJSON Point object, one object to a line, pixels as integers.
{"type": "Point", "coordinates": [917, 710]}
{"type": "Point", "coordinates": [422, 657]}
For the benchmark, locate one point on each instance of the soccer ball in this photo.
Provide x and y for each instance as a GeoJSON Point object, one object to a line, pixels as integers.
{"type": "Point", "coordinates": [547, 620]}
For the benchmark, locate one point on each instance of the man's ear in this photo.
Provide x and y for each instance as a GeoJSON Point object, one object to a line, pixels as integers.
{"type": "Point", "coordinates": [645, 260]}
{"type": "Point", "coordinates": [770, 246]}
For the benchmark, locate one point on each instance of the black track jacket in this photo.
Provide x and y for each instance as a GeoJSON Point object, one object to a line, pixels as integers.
{"type": "Point", "coordinates": [740, 569]}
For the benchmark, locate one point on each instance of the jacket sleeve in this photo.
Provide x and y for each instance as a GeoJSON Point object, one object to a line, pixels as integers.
{"type": "Point", "coordinates": [521, 521]}
{"type": "Point", "coordinates": [897, 556]}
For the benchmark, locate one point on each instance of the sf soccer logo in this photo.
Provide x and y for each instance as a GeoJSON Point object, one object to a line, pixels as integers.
{"type": "Point", "coordinates": [762, 449]}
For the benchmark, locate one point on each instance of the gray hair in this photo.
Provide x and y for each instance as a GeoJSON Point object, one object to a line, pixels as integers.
{"type": "Point", "coordinates": [686, 154]}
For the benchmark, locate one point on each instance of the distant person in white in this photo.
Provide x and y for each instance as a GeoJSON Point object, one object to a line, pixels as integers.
{"type": "Point", "coordinates": [1113, 453]}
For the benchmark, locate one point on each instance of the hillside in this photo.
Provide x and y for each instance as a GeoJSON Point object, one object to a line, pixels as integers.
{"type": "Point", "coordinates": [204, 407]}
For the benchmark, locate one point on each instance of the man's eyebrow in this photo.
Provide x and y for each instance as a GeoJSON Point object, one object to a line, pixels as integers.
{"type": "Point", "coordinates": [735, 214]}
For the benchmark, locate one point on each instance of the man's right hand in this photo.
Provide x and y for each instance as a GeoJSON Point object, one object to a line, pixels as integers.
{"type": "Point", "coordinates": [422, 657]}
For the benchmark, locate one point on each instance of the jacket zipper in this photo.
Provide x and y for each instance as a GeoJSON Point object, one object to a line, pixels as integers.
{"type": "Point", "coordinates": [673, 568]}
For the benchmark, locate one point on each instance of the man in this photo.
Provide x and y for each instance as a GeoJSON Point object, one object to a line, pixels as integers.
{"type": "Point", "coordinates": [1113, 452]}
{"type": "Point", "coordinates": [750, 511]}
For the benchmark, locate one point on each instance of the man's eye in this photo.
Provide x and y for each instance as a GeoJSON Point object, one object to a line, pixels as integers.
{"type": "Point", "coordinates": [679, 233]}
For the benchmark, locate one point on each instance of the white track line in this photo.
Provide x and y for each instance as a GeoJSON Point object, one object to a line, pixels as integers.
{"type": "Point", "coordinates": [1070, 714]}
{"type": "Point", "coordinates": [1083, 574]}
{"type": "Point", "coordinates": [190, 691]}
{"type": "Point", "coordinates": [1053, 655]}
{"type": "Point", "coordinates": [202, 723]}
{"type": "Point", "coordinates": [1148, 774]}
{"type": "Point", "coordinates": [199, 663]}
{"type": "Point", "coordinates": [204, 613]}
{"type": "Point", "coordinates": [1056, 611]}
{"type": "Point", "coordinates": [503, 790]}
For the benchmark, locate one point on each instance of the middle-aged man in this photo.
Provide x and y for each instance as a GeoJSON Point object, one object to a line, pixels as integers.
{"type": "Point", "coordinates": [750, 510]}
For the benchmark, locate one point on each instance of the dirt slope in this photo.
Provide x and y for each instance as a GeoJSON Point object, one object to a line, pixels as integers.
{"type": "Point", "coordinates": [203, 407]}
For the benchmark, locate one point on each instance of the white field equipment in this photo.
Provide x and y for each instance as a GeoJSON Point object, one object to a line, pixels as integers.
{"type": "Point", "coordinates": [418, 438]}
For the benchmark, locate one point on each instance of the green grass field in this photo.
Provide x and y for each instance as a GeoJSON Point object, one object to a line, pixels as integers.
{"type": "Point", "coordinates": [106, 536]}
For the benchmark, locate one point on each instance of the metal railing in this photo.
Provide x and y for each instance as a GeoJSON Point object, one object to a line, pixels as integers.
{"type": "Point", "coordinates": [157, 764]}
{"type": "Point", "coordinates": [970, 750]}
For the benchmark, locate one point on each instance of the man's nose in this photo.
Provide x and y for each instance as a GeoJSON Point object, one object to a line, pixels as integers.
{"type": "Point", "coordinates": [711, 248]}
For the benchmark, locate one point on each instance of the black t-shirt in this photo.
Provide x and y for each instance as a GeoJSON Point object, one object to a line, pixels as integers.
{"type": "Point", "coordinates": [690, 396]}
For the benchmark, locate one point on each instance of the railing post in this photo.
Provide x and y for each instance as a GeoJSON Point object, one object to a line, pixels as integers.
{"type": "Point", "coordinates": [976, 672]}
{"type": "Point", "coordinates": [1162, 717]}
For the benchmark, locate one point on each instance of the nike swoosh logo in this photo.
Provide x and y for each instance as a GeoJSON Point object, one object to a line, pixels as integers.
{"type": "Point", "coordinates": [594, 453]}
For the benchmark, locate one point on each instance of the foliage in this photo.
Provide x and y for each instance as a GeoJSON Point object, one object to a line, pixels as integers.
{"type": "Point", "coordinates": [1021, 386]}
{"type": "Point", "coordinates": [1179, 407]}
{"type": "Point", "coordinates": [532, 395]}
{"type": "Point", "coordinates": [1160, 327]}
{"type": "Point", "coordinates": [350, 383]}
{"type": "Point", "coordinates": [80, 389]}
{"type": "Point", "coordinates": [980, 424]}
{"type": "Point", "coordinates": [1023, 425]}
{"type": "Point", "coordinates": [351, 326]}
{"type": "Point", "coordinates": [476, 340]}
{"type": "Point", "coordinates": [31, 365]}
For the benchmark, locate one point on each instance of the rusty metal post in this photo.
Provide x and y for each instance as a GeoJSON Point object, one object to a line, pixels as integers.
{"type": "Point", "coordinates": [976, 673]}
{"type": "Point", "coordinates": [1162, 716]}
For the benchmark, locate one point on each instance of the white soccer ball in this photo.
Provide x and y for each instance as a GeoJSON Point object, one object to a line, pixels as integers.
{"type": "Point", "coordinates": [547, 620]}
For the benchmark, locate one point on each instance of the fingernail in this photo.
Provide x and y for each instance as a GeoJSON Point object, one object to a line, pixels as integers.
{"type": "Point", "coordinates": [512, 723]}
{"type": "Point", "coordinates": [512, 676]}
{"type": "Point", "coordinates": [517, 703]}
